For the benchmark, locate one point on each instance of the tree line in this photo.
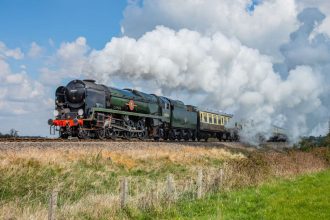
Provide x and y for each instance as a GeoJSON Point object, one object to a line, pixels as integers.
{"type": "Point", "coordinates": [12, 133]}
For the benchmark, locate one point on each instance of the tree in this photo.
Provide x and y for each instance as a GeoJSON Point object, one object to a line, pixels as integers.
{"type": "Point", "coordinates": [13, 133]}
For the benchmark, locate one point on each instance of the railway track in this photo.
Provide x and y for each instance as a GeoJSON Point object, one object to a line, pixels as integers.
{"type": "Point", "coordinates": [88, 140]}
{"type": "Point", "coordinates": [63, 140]}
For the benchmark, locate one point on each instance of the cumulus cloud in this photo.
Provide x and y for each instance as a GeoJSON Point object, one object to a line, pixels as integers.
{"type": "Point", "coordinates": [17, 90]}
{"type": "Point", "coordinates": [68, 62]}
{"type": "Point", "coordinates": [12, 53]}
{"type": "Point", "coordinates": [18, 93]}
{"type": "Point", "coordinates": [308, 46]}
{"type": "Point", "coordinates": [35, 50]}
{"type": "Point", "coordinates": [265, 28]}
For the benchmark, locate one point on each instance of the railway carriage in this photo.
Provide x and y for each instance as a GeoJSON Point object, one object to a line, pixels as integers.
{"type": "Point", "coordinates": [212, 125]}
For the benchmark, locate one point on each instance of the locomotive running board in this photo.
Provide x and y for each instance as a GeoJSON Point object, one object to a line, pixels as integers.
{"type": "Point", "coordinates": [126, 113]}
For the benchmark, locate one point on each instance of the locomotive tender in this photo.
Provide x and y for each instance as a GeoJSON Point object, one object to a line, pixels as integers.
{"type": "Point", "coordinates": [85, 109]}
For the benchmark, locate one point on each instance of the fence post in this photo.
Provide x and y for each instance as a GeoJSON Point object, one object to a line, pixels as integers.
{"type": "Point", "coordinates": [123, 193]}
{"type": "Point", "coordinates": [199, 183]}
{"type": "Point", "coordinates": [221, 178]}
{"type": "Point", "coordinates": [170, 188]}
{"type": "Point", "coordinates": [52, 205]}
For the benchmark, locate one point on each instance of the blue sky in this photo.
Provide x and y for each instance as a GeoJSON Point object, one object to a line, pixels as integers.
{"type": "Point", "coordinates": [48, 24]}
{"type": "Point", "coordinates": [23, 22]}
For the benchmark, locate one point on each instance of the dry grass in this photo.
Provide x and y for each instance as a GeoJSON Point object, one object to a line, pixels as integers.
{"type": "Point", "coordinates": [89, 177]}
{"type": "Point", "coordinates": [129, 158]}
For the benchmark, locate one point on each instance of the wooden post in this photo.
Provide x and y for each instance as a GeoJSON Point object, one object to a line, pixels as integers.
{"type": "Point", "coordinates": [52, 205]}
{"type": "Point", "coordinates": [199, 183]}
{"type": "Point", "coordinates": [123, 193]}
{"type": "Point", "coordinates": [221, 178]}
{"type": "Point", "coordinates": [170, 188]}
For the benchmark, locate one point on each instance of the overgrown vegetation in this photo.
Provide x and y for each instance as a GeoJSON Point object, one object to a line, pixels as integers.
{"type": "Point", "coordinates": [303, 198]}
{"type": "Point", "coordinates": [308, 143]}
{"type": "Point", "coordinates": [88, 178]}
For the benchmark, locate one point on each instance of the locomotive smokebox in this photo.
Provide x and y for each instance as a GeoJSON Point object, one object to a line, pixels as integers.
{"type": "Point", "coordinates": [75, 92]}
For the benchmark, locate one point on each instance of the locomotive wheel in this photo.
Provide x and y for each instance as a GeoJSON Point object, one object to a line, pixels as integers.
{"type": "Point", "coordinates": [114, 134]}
{"type": "Point", "coordinates": [188, 136]}
{"type": "Point", "coordinates": [128, 134]}
{"type": "Point", "coordinates": [101, 134]}
{"type": "Point", "coordinates": [82, 134]}
{"type": "Point", "coordinates": [108, 133]}
{"type": "Point", "coordinates": [140, 126]}
{"type": "Point", "coordinates": [180, 135]}
{"type": "Point", "coordinates": [171, 135]}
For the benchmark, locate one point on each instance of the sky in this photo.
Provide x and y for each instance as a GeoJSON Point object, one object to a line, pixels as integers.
{"type": "Point", "coordinates": [265, 61]}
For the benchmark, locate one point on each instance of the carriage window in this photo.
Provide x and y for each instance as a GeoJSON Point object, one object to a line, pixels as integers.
{"type": "Point", "coordinates": [214, 122]}
{"type": "Point", "coordinates": [209, 118]}
{"type": "Point", "coordinates": [205, 117]}
{"type": "Point", "coordinates": [222, 122]}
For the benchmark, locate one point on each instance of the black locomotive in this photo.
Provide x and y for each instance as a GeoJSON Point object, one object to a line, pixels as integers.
{"type": "Point", "coordinates": [85, 109]}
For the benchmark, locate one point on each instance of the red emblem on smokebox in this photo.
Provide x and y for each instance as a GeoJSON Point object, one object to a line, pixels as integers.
{"type": "Point", "coordinates": [131, 105]}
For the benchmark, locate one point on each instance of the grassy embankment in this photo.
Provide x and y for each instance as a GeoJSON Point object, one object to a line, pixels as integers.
{"type": "Point", "coordinates": [88, 179]}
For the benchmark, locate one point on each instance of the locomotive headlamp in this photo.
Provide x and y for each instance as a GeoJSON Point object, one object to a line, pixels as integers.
{"type": "Point", "coordinates": [80, 112]}
{"type": "Point", "coordinates": [56, 113]}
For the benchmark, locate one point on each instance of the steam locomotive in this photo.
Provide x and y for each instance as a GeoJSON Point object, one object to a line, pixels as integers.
{"type": "Point", "coordinates": [85, 109]}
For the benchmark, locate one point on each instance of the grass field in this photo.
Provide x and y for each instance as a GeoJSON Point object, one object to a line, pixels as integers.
{"type": "Point", "coordinates": [88, 179]}
{"type": "Point", "coordinates": [306, 197]}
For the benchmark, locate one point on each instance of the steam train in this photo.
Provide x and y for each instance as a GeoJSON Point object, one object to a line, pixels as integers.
{"type": "Point", "coordinates": [85, 109]}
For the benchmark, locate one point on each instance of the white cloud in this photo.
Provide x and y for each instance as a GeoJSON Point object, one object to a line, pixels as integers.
{"type": "Point", "coordinates": [35, 50]}
{"type": "Point", "coordinates": [18, 94]}
{"type": "Point", "coordinates": [266, 28]}
{"type": "Point", "coordinates": [12, 53]}
{"type": "Point", "coordinates": [67, 62]}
